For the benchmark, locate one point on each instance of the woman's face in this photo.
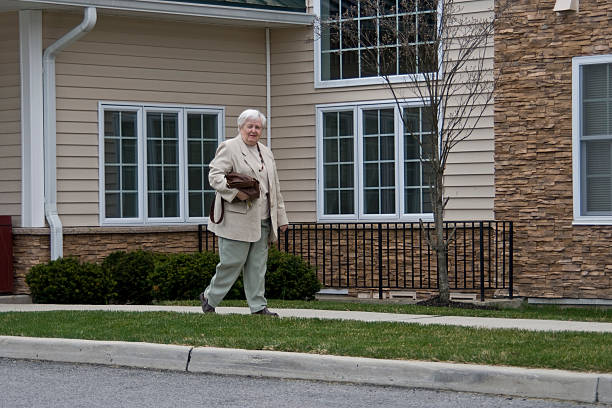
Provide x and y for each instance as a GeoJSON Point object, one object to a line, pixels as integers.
{"type": "Point", "coordinates": [251, 131]}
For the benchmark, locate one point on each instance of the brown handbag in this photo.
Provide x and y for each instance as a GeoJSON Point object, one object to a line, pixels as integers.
{"type": "Point", "coordinates": [246, 184]}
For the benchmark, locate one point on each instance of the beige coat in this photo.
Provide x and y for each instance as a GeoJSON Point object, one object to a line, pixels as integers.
{"type": "Point", "coordinates": [242, 222]}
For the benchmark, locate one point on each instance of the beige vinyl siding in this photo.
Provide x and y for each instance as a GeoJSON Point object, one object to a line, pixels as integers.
{"type": "Point", "coordinates": [143, 61]}
{"type": "Point", "coordinates": [10, 119]}
{"type": "Point", "coordinates": [470, 173]}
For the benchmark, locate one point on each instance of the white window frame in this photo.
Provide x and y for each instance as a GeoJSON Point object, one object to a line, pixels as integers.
{"type": "Point", "coordinates": [579, 219]}
{"type": "Point", "coordinates": [359, 215]}
{"type": "Point", "coordinates": [141, 110]}
{"type": "Point", "coordinates": [374, 80]}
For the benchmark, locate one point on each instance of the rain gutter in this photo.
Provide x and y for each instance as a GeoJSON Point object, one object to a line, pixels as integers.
{"type": "Point", "coordinates": [49, 128]}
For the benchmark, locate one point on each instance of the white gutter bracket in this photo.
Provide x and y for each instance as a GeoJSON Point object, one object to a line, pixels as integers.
{"type": "Point", "coordinates": [50, 131]}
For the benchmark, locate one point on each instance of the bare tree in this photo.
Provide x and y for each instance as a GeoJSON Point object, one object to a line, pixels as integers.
{"type": "Point", "coordinates": [442, 55]}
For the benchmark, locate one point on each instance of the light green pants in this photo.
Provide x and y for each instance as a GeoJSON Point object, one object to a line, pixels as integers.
{"type": "Point", "coordinates": [250, 258]}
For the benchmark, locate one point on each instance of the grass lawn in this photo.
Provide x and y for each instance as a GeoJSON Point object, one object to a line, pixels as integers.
{"type": "Point", "coordinates": [564, 350]}
{"type": "Point", "coordinates": [588, 314]}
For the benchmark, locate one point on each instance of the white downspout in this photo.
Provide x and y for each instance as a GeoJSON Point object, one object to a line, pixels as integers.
{"type": "Point", "coordinates": [49, 129]}
{"type": "Point", "coordinates": [268, 96]}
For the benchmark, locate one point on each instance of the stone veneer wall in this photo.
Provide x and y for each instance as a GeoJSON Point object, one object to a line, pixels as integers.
{"type": "Point", "coordinates": [533, 148]}
{"type": "Point", "coordinates": [31, 245]}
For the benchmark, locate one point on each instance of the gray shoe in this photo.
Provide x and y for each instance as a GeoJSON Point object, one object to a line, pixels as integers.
{"type": "Point", "coordinates": [265, 312]}
{"type": "Point", "coordinates": [206, 308]}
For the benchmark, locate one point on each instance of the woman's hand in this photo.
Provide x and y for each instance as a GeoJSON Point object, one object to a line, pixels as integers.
{"type": "Point", "coordinates": [242, 196]}
{"type": "Point", "coordinates": [283, 228]}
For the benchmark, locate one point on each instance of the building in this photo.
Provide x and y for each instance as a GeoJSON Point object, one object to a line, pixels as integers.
{"type": "Point", "coordinates": [147, 89]}
{"type": "Point", "coordinates": [553, 146]}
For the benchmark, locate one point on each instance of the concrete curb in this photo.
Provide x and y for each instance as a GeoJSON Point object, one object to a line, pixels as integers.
{"type": "Point", "coordinates": [129, 354]}
{"type": "Point", "coordinates": [534, 383]}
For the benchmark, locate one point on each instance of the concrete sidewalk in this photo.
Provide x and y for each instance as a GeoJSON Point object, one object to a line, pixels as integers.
{"type": "Point", "coordinates": [536, 383]}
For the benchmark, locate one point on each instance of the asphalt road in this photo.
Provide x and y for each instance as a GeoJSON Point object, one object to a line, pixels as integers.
{"type": "Point", "coordinates": [44, 384]}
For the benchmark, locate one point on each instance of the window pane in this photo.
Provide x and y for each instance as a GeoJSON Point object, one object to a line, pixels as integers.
{"type": "Point", "coordinates": [330, 176]}
{"type": "Point", "coordinates": [194, 175]}
{"type": "Point", "coordinates": [170, 178]}
{"type": "Point", "coordinates": [330, 150]}
{"type": "Point", "coordinates": [347, 200]}
{"type": "Point", "coordinates": [346, 175]}
{"type": "Point", "coordinates": [130, 205]}
{"type": "Point", "coordinates": [129, 154]}
{"type": "Point", "coordinates": [111, 123]}
{"type": "Point", "coordinates": [371, 175]}
{"type": "Point", "coordinates": [369, 63]}
{"type": "Point", "coordinates": [331, 202]}
{"type": "Point", "coordinates": [350, 64]}
{"type": "Point", "coordinates": [598, 176]}
{"type": "Point", "coordinates": [330, 124]}
{"type": "Point", "coordinates": [111, 178]}
{"type": "Point", "coordinates": [346, 123]}
{"type": "Point", "coordinates": [154, 125]}
{"type": "Point", "coordinates": [386, 121]}
{"type": "Point", "coordinates": [371, 202]}
{"type": "Point", "coordinates": [111, 151]}
{"type": "Point", "coordinates": [154, 178]}
{"type": "Point", "coordinates": [194, 126]}
{"type": "Point", "coordinates": [412, 201]}
{"type": "Point", "coordinates": [370, 146]}
{"type": "Point", "coordinates": [130, 178]}
{"type": "Point", "coordinates": [195, 205]}
{"type": "Point", "coordinates": [330, 66]}
{"type": "Point", "coordinates": [346, 150]}
{"type": "Point", "coordinates": [412, 174]}
{"type": "Point", "coordinates": [210, 148]}
{"type": "Point", "coordinates": [411, 148]}
{"type": "Point", "coordinates": [370, 122]}
{"type": "Point", "coordinates": [387, 149]}
{"type": "Point", "coordinates": [128, 124]}
{"type": "Point", "coordinates": [595, 80]}
{"type": "Point", "coordinates": [387, 174]}
{"type": "Point", "coordinates": [170, 152]}
{"type": "Point", "coordinates": [426, 200]}
{"type": "Point", "coordinates": [595, 118]}
{"type": "Point", "coordinates": [170, 126]}
{"type": "Point", "coordinates": [387, 199]}
{"type": "Point", "coordinates": [112, 205]}
{"type": "Point", "coordinates": [155, 205]}
{"type": "Point", "coordinates": [171, 205]}
{"type": "Point", "coordinates": [154, 152]}
{"type": "Point", "coordinates": [194, 152]}
{"type": "Point", "coordinates": [210, 126]}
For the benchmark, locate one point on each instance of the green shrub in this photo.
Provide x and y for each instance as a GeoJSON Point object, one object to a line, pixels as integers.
{"type": "Point", "coordinates": [65, 280]}
{"type": "Point", "coordinates": [130, 271]}
{"type": "Point", "coordinates": [289, 277]}
{"type": "Point", "coordinates": [182, 276]}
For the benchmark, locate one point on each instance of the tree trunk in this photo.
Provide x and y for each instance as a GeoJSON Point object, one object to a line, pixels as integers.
{"type": "Point", "coordinates": [440, 245]}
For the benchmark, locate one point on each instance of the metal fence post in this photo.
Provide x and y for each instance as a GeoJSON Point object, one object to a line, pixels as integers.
{"type": "Point", "coordinates": [511, 261]}
{"type": "Point", "coordinates": [380, 271]}
{"type": "Point", "coordinates": [482, 279]}
{"type": "Point", "coordinates": [199, 237]}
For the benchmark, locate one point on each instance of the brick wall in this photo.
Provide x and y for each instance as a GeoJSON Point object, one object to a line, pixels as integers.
{"type": "Point", "coordinates": [533, 148]}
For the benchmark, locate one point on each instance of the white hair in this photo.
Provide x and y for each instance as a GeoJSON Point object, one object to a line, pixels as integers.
{"type": "Point", "coordinates": [251, 114]}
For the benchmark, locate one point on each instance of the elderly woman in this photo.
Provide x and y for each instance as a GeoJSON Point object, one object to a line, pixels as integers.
{"type": "Point", "coordinates": [248, 226]}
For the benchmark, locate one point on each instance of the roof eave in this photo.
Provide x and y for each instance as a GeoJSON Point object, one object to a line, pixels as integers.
{"type": "Point", "coordinates": [191, 9]}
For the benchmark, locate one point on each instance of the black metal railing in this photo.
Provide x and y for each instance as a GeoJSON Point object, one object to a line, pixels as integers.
{"type": "Point", "coordinates": [398, 255]}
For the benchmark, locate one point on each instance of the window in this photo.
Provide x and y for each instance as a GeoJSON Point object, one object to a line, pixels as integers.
{"type": "Point", "coordinates": [592, 134]}
{"type": "Point", "coordinates": [155, 162]}
{"type": "Point", "coordinates": [344, 57]}
{"type": "Point", "coordinates": [370, 163]}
